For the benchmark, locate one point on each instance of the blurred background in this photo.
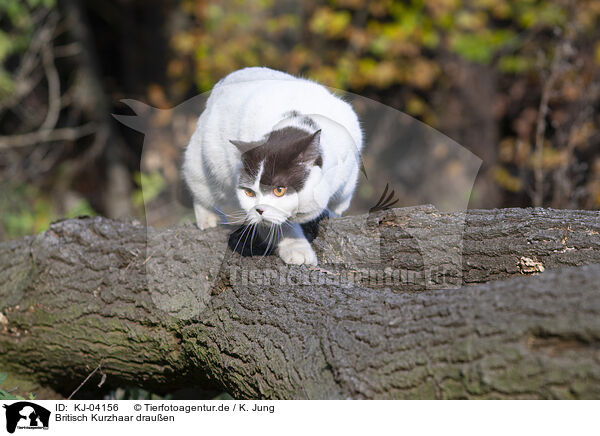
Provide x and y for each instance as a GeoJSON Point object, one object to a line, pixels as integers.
{"type": "Point", "coordinates": [515, 82]}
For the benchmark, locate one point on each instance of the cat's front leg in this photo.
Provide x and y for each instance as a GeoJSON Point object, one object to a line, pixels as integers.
{"type": "Point", "coordinates": [338, 209]}
{"type": "Point", "coordinates": [294, 248]}
{"type": "Point", "coordinates": [205, 218]}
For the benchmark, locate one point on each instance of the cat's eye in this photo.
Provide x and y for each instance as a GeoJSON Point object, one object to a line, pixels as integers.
{"type": "Point", "coordinates": [249, 192]}
{"type": "Point", "coordinates": [279, 191]}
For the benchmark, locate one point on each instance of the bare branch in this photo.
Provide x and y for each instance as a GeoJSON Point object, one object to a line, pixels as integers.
{"type": "Point", "coordinates": [54, 103]}
{"type": "Point", "coordinates": [62, 134]}
{"type": "Point", "coordinates": [24, 78]}
{"type": "Point", "coordinates": [71, 49]}
{"type": "Point", "coordinates": [99, 367]}
{"type": "Point", "coordinates": [543, 109]}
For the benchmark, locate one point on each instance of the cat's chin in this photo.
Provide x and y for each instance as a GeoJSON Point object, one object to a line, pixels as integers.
{"type": "Point", "coordinates": [267, 223]}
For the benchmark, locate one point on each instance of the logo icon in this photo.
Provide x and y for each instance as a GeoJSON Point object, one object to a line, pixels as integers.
{"type": "Point", "coordinates": [26, 415]}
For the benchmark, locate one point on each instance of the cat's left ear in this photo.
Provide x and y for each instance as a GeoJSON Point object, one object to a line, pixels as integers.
{"type": "Point", "coordinates": [310, 151]}
{"type": "Point", "coordinates": [243, 146]}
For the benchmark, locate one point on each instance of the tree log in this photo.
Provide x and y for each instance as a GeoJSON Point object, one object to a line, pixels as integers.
{"type": "Point", "coordinates": [168, 308]}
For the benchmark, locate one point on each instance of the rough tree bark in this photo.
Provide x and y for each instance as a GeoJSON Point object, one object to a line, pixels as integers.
{"type": "Point", "coordinates": [162, 309]}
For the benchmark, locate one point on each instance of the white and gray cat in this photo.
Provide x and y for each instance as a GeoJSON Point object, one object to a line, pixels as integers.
{"type": "Point", "coordinates": [286, 148]}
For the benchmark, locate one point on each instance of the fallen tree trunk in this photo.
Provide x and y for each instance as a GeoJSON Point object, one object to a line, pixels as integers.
{"type": "Point", "coordinates": [163, 309]}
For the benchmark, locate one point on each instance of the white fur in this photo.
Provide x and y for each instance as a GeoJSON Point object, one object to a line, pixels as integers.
{"type": "Point", "coordinates": [247, 105]}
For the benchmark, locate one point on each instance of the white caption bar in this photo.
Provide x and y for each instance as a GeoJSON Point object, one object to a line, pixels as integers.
{"type": "Point", "coordinates": [316, 417]}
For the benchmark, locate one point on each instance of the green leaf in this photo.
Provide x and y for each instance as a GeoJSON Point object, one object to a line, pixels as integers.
{"type": "Point", "coordinates": [82, 207]}
{"type": "Point", "coordinates": [6, 45]}
{"type": "Point", "coordinates": [6, 396]}
{"type": "Point", "coordinates": [473, 48]}
{"type": "Point", "coordinates": [481, 47]}
{"type": "Point", "coordinates": [515, 64]}
{"type": "Point", "coordinates": [150, 187]}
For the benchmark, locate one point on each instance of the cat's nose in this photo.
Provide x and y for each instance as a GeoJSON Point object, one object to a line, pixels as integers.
{"type": "Point", "coordinates": [259, 210]}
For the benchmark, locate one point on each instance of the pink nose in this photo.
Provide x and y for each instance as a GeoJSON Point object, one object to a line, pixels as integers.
{"type": "Point", "coordinates": [259, 210]}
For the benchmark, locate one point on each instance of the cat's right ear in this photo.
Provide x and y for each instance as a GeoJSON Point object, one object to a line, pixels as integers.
{"type": "Point", "coordinates": [243, 146]}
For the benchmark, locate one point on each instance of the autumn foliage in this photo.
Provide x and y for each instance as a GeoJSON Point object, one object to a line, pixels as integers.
{"type": "Point", "coordinates": [516, 82]}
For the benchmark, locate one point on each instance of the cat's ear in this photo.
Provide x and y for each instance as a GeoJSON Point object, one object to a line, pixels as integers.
{"type": "Point", "coordinates": [315, 138]}
{"type": "Point", "coordinates": [309, 150]}
{"type": "Point", "coordinates": [243, 146]}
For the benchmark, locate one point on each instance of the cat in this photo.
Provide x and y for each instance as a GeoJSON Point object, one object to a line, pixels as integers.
{"type": "Point", "coordinates": [285, 147]}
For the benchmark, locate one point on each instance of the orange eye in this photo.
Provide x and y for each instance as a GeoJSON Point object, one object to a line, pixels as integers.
{"type": "Point", "coordinates": [249, 192]}
{"type": "Point", "coordinates": [279, 191]}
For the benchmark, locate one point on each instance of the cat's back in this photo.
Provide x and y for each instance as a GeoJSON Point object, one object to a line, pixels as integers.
{"type": "Point", "coordinates": [256, 98]}
{"type": "Point", "coordinates": [256, 86]}
{"type": "Point", "coordinates": [252, 74]}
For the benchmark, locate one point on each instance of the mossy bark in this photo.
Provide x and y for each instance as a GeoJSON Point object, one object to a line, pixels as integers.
{"type": "Point", "coordinates": [170, 308]}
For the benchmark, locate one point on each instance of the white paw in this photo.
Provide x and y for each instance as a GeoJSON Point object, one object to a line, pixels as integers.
{"type": "Point", "coordinates": [208, 221]}
{"type": "Point", "coordinates": [205, 218]}
{"type": "Point", "coordinates": [297, 252]}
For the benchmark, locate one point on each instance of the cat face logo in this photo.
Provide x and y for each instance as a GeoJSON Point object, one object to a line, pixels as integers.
{"type": "Point", "coordinates": [26, 415]}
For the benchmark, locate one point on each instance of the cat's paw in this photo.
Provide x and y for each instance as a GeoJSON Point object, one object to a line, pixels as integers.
{"type": "Point", "coordinates": [205, 219]}
{"type": "Point", "coordinates": [297, 252]}
{"type": "Point", "coordinates": [208, 221]}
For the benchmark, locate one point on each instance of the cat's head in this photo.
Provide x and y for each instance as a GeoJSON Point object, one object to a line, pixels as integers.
{"type": "Point", "coordinates": [278, 175]}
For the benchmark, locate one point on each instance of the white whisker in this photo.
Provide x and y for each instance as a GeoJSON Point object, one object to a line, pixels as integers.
{"type": "Point", "coordinates": [241, 235]}
{"type": "Point", "coordinates": [269, 237]}
{"type": "Point", "coordinates": [252, 239]}
{"type": "Point", "coordinates": [253, 226]}
{"type": "Point", "coordinates": [241, 220]}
